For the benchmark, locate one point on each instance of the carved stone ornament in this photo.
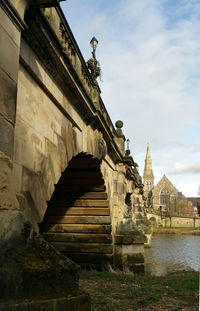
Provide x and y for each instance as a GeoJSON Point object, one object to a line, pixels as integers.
{"type": "Point", "coordinates": [94, 67]}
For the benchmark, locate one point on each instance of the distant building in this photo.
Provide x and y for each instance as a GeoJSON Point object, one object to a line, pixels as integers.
{"type": "Point", "coordinates": [193, 205]}
{"type": "Point", "coordinates": [164, 196]}
{"type": "Point", "coordinates": [148, 176]}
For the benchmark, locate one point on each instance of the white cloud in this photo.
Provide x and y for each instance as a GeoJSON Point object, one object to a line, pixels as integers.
{"type": "Point", "coordinates": [182, 168]}
{"type": "Point", "coordinates": [149, 54]}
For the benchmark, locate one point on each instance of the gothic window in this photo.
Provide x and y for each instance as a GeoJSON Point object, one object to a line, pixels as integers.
{"type": "Point", "coordinates": [148, 185]}
{"type": "Point", "coordinates": [164, 197]}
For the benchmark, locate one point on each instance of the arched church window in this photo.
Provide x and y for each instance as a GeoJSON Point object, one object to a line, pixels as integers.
{"type": "Point", "coordinates": [164, 197]}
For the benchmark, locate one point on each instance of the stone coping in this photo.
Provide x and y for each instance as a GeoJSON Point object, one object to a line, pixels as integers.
{"type": "Point", "coordinates": [130, 239]}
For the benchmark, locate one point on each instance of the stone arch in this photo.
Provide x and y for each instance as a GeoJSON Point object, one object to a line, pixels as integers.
{"type": "Point", "coordinates": [77, 220]}
{"type": "Point", "coordinates": [128, 205]}
{"type": "Point", "coordinates": [46, 167]}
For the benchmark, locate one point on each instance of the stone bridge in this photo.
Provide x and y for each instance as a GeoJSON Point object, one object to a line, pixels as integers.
{"type": "Point", "coordinates": [154, 219]}
{"type": "Point", "coordinates": [173, 221]}
{"type": "Point", "coordinates": [63, 165]}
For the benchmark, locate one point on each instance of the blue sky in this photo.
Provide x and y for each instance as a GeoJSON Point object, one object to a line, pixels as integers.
{"type": "Point", "coordinates": [149, 51]}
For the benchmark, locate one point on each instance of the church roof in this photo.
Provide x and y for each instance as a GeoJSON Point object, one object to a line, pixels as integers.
{"type": "Point", "coordinates": [165, 183]}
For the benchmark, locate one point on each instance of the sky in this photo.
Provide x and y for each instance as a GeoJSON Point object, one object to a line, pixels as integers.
{"type": "Point", "coordinates": [149, 52]}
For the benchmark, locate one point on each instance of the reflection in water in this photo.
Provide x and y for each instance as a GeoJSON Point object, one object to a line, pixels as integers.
{"type": "Point", "coordinates": [171, 253]}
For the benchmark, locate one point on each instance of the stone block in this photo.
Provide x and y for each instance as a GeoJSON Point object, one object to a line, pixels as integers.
{"type": "Point", "coordinates": [128, 227]}
{"type": "Point", "coordinates": [8, 91]}
{"type": "Point", "coordinates": [58, 157]}
{"type": "Point", "coordinates": [137, 238]}
{"type": "Point", "coordinates": [68, 137]}
{"type": "Point", "coordinates": [24, 149]}
{"type": "Point", "coordinates": [130, 256]}
{"type": "Point", "coordinates": [78, 143]}
{"type": "Point", "coordinates": [35, 193]}
{"type": "Point", "coordinates": [9, 27]}
{"type": "Point", "coordinates": [17, 177]}
{"type": "Point", "coordinates": [6, 137]}
{"type": "Point", "coordinates": [14, 231]}
{"type": "Point", "coordinates": [25, 51]}
{"type": "Point", "coordinates": [45, 171]}
{"type": "Point", "coordinates": [8, 199]}
{"type": "Point", "coordinates": [9, 60]}
{"type": "Point", "coordinates": [27, 208]}
{"type": "Point", "coordinates": [29, 97]}
{"type": "Point", "coordinates": [37, 269]}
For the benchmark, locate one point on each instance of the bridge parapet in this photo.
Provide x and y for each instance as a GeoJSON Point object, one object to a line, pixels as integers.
{"type": "Point", "coordinates": [60, 27]}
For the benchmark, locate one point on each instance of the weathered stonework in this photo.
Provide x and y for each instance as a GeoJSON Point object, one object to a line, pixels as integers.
{"type": "Point", "coordinates": [62, 162]}
{"type": "Point", "coordinates": [8, 199]}
{"type": "Point", "coordinates": [129, 246]}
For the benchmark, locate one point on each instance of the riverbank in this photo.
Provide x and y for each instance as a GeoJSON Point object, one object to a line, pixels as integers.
{"type": "Point", "coordinates": [175, 230]}
{"type": "Point", "coordinates": [127, 292]}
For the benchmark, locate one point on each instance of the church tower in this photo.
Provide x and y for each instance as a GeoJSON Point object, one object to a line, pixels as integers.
{"type": "Point", "coordinates": [148, 177]}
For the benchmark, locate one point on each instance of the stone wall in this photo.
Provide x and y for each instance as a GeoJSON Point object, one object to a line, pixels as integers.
{"type": "Point", "coordinates": [9, 60]}
{"type": "Point", "coordinates": [181, 222]}
{"type": "Point", "coordinates": [46, 139]}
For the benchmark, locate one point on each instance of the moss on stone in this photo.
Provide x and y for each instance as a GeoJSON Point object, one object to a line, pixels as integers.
{"type": "Point", "coordinates": [37, 269]}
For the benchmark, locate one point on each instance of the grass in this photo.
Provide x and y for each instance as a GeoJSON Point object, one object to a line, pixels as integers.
{"type": "Point", "coordinates": [181, 228]}
{"type": "Point", "coordinates": [116, 291]}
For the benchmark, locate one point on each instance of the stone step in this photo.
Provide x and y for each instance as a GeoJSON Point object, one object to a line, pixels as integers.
{"type": "Point", "coordinates": [89, 258]}
{"type": "Point", "coordinates": [77, 219]}
{"type": "Point", "coordinates": [79, 203]}
{"type": "Point", "coordinates": [68, 247]}
{"type": "Point", "coordinates": [78, 237]}
{"type": "Point", "coordinates": [93, 181]}
{"type": "Point", "coordinates": [82, 173]}
{"type": "Point", "coordinates": [80, 188]}
{"type": "Point", "coordinates": [75, 228]}
{"type": "Point", "coordinates": [78, 211]}
{"type": "Point", "coordinates": [84, 163]}
{"type": "Point", "coordinates": [78, 195]}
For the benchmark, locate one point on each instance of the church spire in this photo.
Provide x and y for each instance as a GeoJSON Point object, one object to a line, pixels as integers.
{"type": "Point", "coordinates": [148, 177]}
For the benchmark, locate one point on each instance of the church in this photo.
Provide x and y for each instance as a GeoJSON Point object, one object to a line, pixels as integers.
{"type": "Point", "coordinates": [164, 195]}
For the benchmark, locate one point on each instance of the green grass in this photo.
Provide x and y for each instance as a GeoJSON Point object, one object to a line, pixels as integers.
{"type": "Point", "coordinates": [126, 292]}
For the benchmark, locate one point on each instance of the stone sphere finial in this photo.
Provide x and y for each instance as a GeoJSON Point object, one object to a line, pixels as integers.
{"type": "Point", "coordinates": [119, 124]}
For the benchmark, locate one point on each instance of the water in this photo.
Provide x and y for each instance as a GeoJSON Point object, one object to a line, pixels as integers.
{"type": "Point", "coordinates": [172, 253]}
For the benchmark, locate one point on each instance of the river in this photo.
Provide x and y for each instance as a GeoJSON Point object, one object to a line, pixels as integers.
{"type": "Point", "coordinates": [172, 253]}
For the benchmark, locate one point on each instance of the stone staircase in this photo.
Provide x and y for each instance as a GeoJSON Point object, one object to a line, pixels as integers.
{"type": "Point", "coordinates": [77, 221]}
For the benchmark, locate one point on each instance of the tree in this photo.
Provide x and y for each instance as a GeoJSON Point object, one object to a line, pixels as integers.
{"type": "Point", "coordinates": [198, 193]}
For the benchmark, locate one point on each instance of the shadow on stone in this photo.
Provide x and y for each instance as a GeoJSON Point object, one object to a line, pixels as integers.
{"type": "Point", "coordinates": [32, 269]}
